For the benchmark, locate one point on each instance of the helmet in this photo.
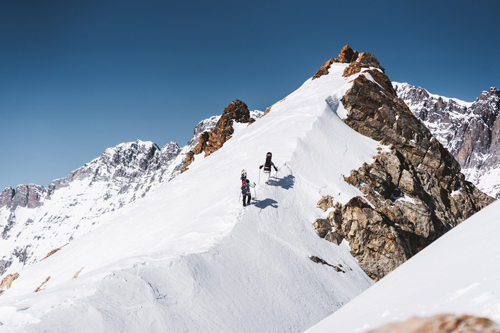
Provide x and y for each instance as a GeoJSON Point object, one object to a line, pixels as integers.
{"type": "Point", "coordinates": [243, 174]}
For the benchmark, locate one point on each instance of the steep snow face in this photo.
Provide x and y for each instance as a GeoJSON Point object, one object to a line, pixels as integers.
{"type": "Point", "coordinates": [190, 257]}
{"type": "Point", "coordinates": [457, 274]}
{"type": "Point", "coordinates": [34, 220]}
{"type": "Point", "coordinates": [470, 131]}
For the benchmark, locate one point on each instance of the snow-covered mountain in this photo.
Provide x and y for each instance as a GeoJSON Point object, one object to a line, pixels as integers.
{"type": "Point", "coordinates": [470, 131]}
{"type": "Point", "coordinates": [355, 168]}
{"type": "Point", "coordinates": [458, 274]}
{"type": "Point", "coordinates": [35, 220]}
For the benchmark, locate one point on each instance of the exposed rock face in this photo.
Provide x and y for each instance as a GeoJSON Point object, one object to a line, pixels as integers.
{"type": "Point", "coordinates": [470, 131]}
{"type": "Point", "coordinates": [364, 60]}
{"type": "Point", "coordinates": [235, 111]}
{"type": "Point", "coordinates": [346, 55]}
{"type": "Point", "coordinates": [211, 141]}
{"type": "Point", "coordinates": [444, 323]}
{"type": "Point", "coordinates": [30, 196]}
{"type": "Point", "coordinates": [413, 193]}
{"type": "Point", "coordinates": [7, 281]}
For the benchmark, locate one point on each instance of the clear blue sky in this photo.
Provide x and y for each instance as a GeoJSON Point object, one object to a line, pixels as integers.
{"type": "Point", "coordinates": [77, 77]}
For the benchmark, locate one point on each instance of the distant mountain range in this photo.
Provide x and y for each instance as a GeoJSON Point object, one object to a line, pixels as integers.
{"type": "Point", "coordinates": [470, 131]}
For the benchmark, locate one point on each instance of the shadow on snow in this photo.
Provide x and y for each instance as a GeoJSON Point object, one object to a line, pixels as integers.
{"type": "Point", "coordinates": [285, 183]}
{"type": "Point", "coordinates": [262, 204]}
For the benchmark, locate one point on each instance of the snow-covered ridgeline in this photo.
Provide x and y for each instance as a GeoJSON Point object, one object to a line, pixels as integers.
{"type": "Point", "coordinates": [189, 257]}
{"type": "Point", "coordinates": [470, 131]}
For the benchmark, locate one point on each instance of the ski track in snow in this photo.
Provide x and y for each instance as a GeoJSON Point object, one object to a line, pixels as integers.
{"type": "Point", "coordinates": [189, 257]}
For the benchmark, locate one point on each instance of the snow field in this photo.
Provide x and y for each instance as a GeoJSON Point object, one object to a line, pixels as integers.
{"type": "Point", "coordinates": [189, 257]}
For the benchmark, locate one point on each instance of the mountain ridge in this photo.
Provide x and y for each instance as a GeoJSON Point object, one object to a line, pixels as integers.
{"type": "Point", "coordinates": [470, 131]}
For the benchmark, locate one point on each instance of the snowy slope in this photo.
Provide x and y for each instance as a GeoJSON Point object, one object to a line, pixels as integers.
{"type": "Point", "coordinates": [189, 257]}
{"type": "Point", "coordinates": [456, 274]}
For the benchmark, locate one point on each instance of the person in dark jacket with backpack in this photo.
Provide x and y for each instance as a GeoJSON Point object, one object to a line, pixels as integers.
{"type": "Point", "coordinates": [245, 188]}
{"type": "Point", "coordinates": [267, 166]}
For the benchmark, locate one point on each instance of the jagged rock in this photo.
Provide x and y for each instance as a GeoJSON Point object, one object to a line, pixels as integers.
{"type": "Point", "coordinates": [470, 131]}
{"type": "Point", "coordinates": [325, 203]}
{"type": "Point", "coordinates": [323, 69]}
{"type": "Point", "coordinates": [211, 141]}
{"type": "Point", "coordinates": [235, 111]}
{"type": "Point", "coordinates": [78, 273]}
{"type": "Point", "coordinates": [444, 323]}
{"type": "Point", "coordinates": [346, 55]}
{"type": "Point", "coordinates": [364, 60]}
{"type": "Point", "coordinates": [323, 226]}
{"type": "Point", "coordinates": [321, 261]}
{"type": "Point", "coordinates": [53, 252]}
{"type": "Point", "coordinates": [30, 196]}
{"type": "Point", "coordinates": [7, 281]}
{"type": "Point", "coordinates": [413, 193]}
{"type": "Point", "coordinates": [40, 288]}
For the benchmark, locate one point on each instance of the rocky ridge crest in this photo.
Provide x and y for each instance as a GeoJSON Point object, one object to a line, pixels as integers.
{"type": "Point", "coordinates": [211, 141]}
{"type": "Point", "coordinates": [412, 193]}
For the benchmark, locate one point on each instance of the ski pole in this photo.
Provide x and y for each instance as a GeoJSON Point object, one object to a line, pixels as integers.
{"type": "Point", "coordinates": [239, 197]}
{"type": "Point", "coordinates": [259, 175]}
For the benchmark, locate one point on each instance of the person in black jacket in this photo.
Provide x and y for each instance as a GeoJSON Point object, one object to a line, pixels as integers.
{"type": "Point", "coordinates": [267, 166]}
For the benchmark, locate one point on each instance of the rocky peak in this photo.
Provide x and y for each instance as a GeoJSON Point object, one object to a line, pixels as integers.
{"type": "Point", "coordinates": [211, 141]}
{"type": "Point", "coordinates": [412, 194]}
{"type": "Point", "coordinates": [346, 55]}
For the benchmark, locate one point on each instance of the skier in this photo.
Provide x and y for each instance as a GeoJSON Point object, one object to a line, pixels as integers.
{"type": "Point", "coordinates": [267, 166]}
{"type": "Point", "coordinates": [245, 188]}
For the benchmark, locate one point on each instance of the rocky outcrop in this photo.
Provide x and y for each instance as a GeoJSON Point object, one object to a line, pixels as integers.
{"type": "Point", "coordinates": [444, 323]}
{"type": "Point", "coordinates": [211, 141]}
{"type": "Point", "coordinates": [364, 60]}
{"type": "Point", "coordinates": [346, 55]}
{"type": "Point", "coordinates": [412, 194]}
{"type": "Point", "coordinates": [470, 131]}
{"type": "Point", "coordinates": [30, 196]}
{"type": "Point", "coordinates": [7, 281]}
{"type": "Point", "coordinates": [40, 288]}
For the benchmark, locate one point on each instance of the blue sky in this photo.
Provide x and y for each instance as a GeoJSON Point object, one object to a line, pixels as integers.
{"type": "Point", "coordinates": [77, 77]}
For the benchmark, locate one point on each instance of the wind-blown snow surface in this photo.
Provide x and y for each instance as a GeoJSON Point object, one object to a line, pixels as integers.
{"type": "Point", "coordinates": [458, 274]}
{"type": "Point", "coordinates": [189, 257]}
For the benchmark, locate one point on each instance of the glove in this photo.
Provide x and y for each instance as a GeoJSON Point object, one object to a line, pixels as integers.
{"type": "Point", "coordinates": [261, 167]}
{"type": "Point", "coordinates": [276, 169]}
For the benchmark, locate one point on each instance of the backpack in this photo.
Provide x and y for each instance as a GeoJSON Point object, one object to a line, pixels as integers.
{"type": "Point", "coordinates": [267, 165]}
{"type": "Point", "coordinates": [244, 186]}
